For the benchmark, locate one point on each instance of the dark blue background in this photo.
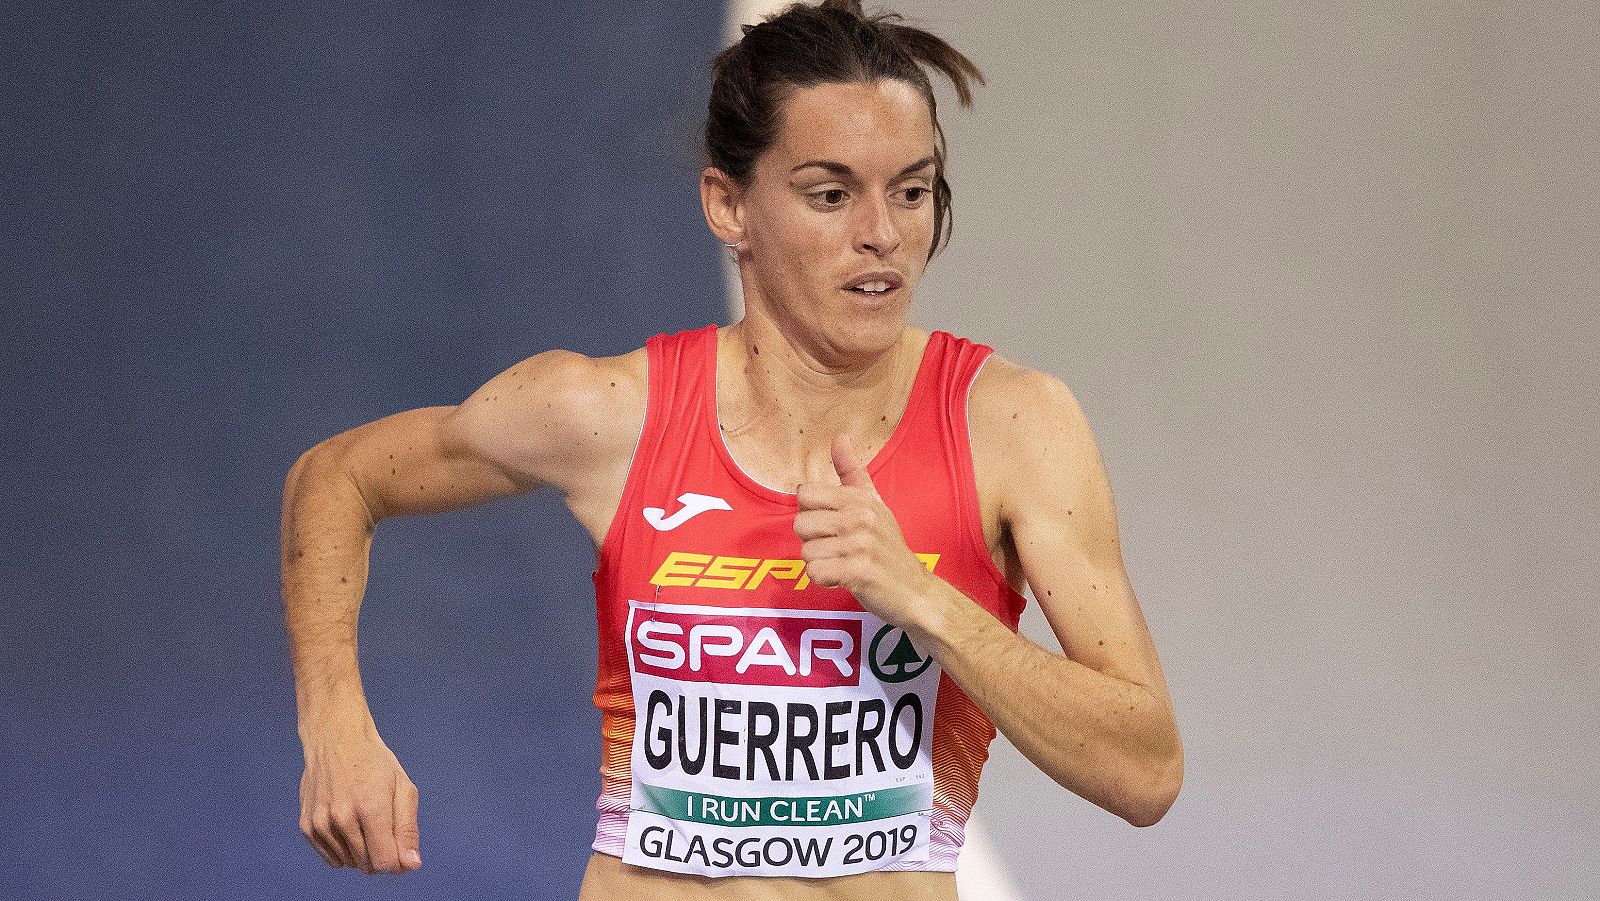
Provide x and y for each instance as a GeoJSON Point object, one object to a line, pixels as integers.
{"type": "Point", "coordinates": [231, 231]}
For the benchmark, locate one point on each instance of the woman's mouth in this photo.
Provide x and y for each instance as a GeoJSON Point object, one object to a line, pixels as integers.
{"type": "Point", "coordinates": [872, 289]}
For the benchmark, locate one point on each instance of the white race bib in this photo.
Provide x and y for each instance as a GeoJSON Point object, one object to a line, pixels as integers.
{"type": "Point", "coordinates": [777, 742]}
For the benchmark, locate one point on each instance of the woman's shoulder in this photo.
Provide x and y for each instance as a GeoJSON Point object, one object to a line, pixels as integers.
{"type": "Point", "coordinates": [1017, 415]}
{"type": "Point", "coordinates": [1006, 390]}
{"type": "Point", "coordinates": [559, 414]}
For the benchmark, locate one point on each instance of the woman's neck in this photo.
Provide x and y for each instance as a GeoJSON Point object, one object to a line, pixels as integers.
{"type": "Point", "coordinates": [784, 395]}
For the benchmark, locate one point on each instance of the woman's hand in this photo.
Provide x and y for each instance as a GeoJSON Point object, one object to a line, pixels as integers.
{"type": "Point", "coordinates": [357, 806]}
{"type": "Point", "coordinates": [849, 537]}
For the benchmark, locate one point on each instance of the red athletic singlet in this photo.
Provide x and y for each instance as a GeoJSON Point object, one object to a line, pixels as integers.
{"type": "Point", "coordinates": [755, 723]}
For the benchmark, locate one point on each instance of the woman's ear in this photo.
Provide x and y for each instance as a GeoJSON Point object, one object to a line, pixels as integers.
{"type": "Point", "coordinates": [723, 202]}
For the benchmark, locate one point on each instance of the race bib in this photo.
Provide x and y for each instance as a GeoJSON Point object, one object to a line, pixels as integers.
{"type": "Point", "coordinates": [777, 742]}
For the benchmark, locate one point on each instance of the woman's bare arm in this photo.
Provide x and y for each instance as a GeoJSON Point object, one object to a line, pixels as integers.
{"type": "Point", "coordinates": [527, 427]}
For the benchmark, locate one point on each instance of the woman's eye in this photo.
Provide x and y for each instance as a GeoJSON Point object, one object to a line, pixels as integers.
{"type": "Point", "coordinates": [831, 197]}
{"type": "Point", "coordinates": [914, 195]}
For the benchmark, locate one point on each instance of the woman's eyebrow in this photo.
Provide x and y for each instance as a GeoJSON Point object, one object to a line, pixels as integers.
{"type": "Point", "coordinates": [843, 170]}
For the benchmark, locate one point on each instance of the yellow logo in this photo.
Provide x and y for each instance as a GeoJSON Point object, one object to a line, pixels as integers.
{"type": "Point", "coordinates": [683, 570]}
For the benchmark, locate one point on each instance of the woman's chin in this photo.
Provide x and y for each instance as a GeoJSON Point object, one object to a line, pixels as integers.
{"type": "Point", "coordinates": [870, 331]}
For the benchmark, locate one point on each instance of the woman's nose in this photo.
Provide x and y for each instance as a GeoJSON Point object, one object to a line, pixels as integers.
{"type": "Point", "coordinates": [875, 230]}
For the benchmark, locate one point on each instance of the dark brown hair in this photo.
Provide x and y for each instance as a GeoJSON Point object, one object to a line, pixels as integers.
{"type": "Point", "coordinates": [835, 42]}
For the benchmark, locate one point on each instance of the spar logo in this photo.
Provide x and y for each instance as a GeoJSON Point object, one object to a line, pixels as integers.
{"type": "Point", "coordinates": [894, 658]}
{"type": "Point", "coordinates": [747, 648]}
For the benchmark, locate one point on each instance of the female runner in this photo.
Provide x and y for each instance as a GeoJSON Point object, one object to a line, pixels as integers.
{"type": "Point", "coordinates": [813, 528]}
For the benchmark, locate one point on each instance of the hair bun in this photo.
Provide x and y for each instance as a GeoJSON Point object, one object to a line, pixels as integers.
{"type": "Point", "coordinates": [851, 6]}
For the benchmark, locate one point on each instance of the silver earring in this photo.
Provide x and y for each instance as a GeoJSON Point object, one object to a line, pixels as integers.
{"type": "Point", "coordinates": [733, 246]}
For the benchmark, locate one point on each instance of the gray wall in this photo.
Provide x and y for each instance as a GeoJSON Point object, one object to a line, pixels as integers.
{"type": "Point", "coordinates": [1323, 278]}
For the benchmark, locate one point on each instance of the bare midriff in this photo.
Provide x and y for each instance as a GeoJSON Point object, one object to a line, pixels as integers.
{"type": "Point", "coordinates": [609, 879]}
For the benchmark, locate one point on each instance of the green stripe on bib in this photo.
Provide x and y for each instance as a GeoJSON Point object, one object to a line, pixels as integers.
{"type": "Point", "coordinates": [827, 810]}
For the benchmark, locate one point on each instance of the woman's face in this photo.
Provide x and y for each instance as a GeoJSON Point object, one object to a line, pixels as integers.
{"type": "Point", "coordinates": [843, 198]}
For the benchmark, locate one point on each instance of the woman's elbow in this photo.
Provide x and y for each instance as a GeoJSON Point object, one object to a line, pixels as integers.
{"type": "Point", "coordinates": [1162, 785]}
